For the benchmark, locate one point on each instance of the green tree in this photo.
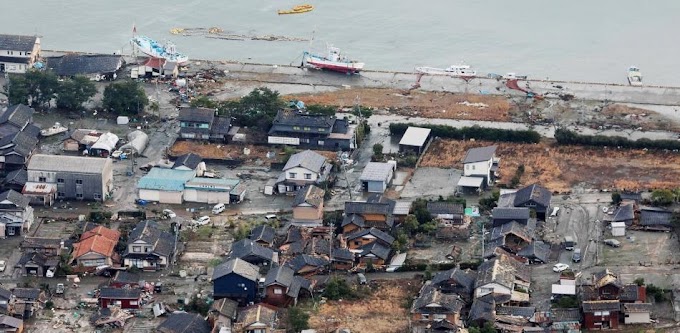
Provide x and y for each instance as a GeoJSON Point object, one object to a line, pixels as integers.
{"type": "Point", "coordinates": [72, 93]}
{"type": "Point", "coordinates": [400, 242]}
{"type": "Point", "coordinates": [378, 151]}
{"type": "Point", "coordinates": [488, 203]}
{"type": "Point", "coordinates": [428, 273]}
{"type": "Point", "coordinates": [421, 212]}
{"type": "Point", "coordinates": [639, 281]}
{"type": "Point", "coordinates": [258, 108]}
{"type": "Point", "coordinates": [17, 90]}
{"type": "Point", "coordinates": [125, 98]}
{"type": "Point", "coordinates": [42, 87]}
{"type": "Point", "coordinates": [410, 224]}
{"type": "Point", "coordinates": [616, 198]}
{"type": "Point", "coordinates": [321, 109]}
{"type": "Point", "coordinates": [337, 288]}
{"type": "Point", "coordinates": [567, 302]}
{"type": "Point", "coordinates": [662, 197]}
{"type": "Point", "coordinates": [298, 320]}
{"type": "Point", "coordinates": [203, 102]}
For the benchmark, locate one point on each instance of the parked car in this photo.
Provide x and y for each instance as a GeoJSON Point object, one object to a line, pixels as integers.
{"type": "Point", "coordinates": [203, 220]}
{"type": "Point", "coordinates": [60, 289]}
{"type": "Point", "coordinates": [169, 213]}
{"type": "Point", "coordinates": [361, 278]}
{"type": "Point", "coordinates": [220, 207]}
{"type": "Point", "coordinates": [3, 265]}
{"type": "Point", "coordinates": [560, 267]}
{"type": "Point", "coordinates": [576, 256]}
{"type": "Point", "coordinates": [612, 242]}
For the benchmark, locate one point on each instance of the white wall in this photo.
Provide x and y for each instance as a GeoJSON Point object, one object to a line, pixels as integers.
{"type": "Point", "coordinates": [477, 168]}
{"type": "Point", "coordinates": [300, 174]}
{"type": "Point", "coordinates": [491, 287]}
{"type": "Point", "coordinates": [211, 197]}
{"type": "Point", "coordinates": [637, 318]}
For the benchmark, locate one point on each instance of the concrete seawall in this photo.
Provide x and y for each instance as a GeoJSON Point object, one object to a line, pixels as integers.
{"type": "Point", "coordinates": [658, 95]}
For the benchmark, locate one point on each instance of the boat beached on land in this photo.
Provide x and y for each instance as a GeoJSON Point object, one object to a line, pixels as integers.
{"type": "Point", "coordinates": [333, 60]}
{"type": "Point", "coordinates": [155, 49]}
{"type": "Point", "coordinates": [463, 71]}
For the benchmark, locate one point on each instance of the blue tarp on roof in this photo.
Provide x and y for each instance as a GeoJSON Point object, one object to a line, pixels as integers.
{"type": "Point", "coordinates": [165, 179]}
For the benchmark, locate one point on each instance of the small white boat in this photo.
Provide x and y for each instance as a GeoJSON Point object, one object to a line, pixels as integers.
{"type": "Point", "coordinates": [54, 130]}
{"type": "Point", "coordinates": [634, 76]}
{"type": "Point", "coordinates": [155, 49]}
{"type": "Point", "coordinates": [463, 71]}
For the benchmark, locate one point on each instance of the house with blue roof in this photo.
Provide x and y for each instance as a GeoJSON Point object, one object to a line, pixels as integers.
{"type": "Point", "coordinates": [164, 185]}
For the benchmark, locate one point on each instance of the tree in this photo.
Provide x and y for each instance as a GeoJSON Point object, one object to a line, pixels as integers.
{"type": "Point", "coordinates": [258, 108]}
{"type": "Point", "coordinates": [410, 224]}
{"type": "Point", "coordinates": [616, 198]}
{"type": "Point", "coordinates": [72, 93]}
{"type": "Point", "coordinates": [400, 242]}
{"type": "Point", "coordinates": [17, 90]}
{"type": "Point", "coordinates": [125, 98]}
{"type": "Point", "coordinates": [378, 152]}
{"type": "Point", "coordinates": [298, 320]}
{"type": "Point", "coordinates": [321, 109]}
{"type": "Point", "coordinates": [337, 288]}
{"type": "Point", "coordinates": [639, 281]}
{"type": "Point", "coordinates": [488, 203]}
{"type": "Point", "coordinates": [41, 86]}
{"type": "Point", "coordinates": [662, 197]}
{"type": "Point", "coordinates": [203, 102]}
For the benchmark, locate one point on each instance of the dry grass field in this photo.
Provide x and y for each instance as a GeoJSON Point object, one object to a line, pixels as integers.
{"type": "Point", "coordinates": [559, 168]}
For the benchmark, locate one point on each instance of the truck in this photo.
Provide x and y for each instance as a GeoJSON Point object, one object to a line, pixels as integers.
{"type": "Point", "coordinates": [60, 289]}
{"type": "Point", "coordinates": [569, 243]}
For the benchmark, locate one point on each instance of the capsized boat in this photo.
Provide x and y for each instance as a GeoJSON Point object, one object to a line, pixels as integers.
{"type": "Point", "coordinates": [463, 71]}
{"type": "Point", "coordinates": [57, 128]}
{"type": "Point", "coordinates": [634, 76]}
{"type": "Point", "coordinates": [297, 10]}
{"type": "Point", "coordinates": [155, 49]}
{"type": "Point", "coordinates": [332, 61]}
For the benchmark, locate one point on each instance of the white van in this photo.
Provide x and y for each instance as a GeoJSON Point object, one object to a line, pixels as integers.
{"type": "Point", "coordinates": [218, 208]}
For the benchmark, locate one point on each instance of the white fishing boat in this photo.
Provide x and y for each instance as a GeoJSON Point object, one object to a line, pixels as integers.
{"type": "Point", "coordinates": [155, 49]}
{"type": "Point", "coordinates": [332, 61]}
{"type": "Point", "coordinates": [54, 130]}
{"type": "Point", "coordinates": [460, 70]}
{"type": "Point", "coordinates": [634, 76]}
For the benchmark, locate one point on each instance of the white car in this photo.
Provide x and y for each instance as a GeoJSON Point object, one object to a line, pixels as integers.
{"type": "Point", "coordinates": [3, 265]}
{"type": "Point", "coordinates": [169, 213]}
{"type": "Point", "coordinates": [203, 220]}
{"type": "Point", "coordinates": [560, 267]}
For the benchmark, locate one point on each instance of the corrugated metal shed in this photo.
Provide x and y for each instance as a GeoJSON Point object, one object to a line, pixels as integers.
{"type": "Point", "coordinates": [415, 136]}
{"type": "Point", "coordinates": [165, 179]}
{"type": "Point", "coordinates": [55, 163]}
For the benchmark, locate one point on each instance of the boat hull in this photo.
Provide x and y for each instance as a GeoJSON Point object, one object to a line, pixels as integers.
{"type": "Point", "coordinates": [156, 50]}
{"type": "Point", "coordinates": [443, 71]}
{"type": "Point", "coordinates": [341, 67]}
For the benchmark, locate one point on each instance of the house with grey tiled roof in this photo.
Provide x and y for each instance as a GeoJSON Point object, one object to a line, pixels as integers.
{"type": "Point", "coordinates": [18, 53]}
{"type": "Point", "coordinates": [282, 287]}
{"type": "Point", "coordinates": [183, 322]}
{"type": "Point", "coordinates": [455, 281]}
{"type": "Point", "coordinates": [536, 198]}
{"type": "Point", "coordinates": [302, 169]}
{"type": "Point", "coordinates": [301, 129]}
{"type": "Point", "coordinates": [254, 253]}
{"type": "Point", "coordinates": [97, 67]}
{"type": "Point", "coordinates": [203, 124]}
{"type": "Point", "coordinates": [149, 247]}
{"type": "Point", "coordinates": [236, 279]}
{"type": "Point", "coordinates": [435, 308]}
{"type": "Point", "coordinates": [263, 235]}
{"type": "Point", "coordinates": [16, 215]}
{"type": "Point", "coordinates": [18, 136]}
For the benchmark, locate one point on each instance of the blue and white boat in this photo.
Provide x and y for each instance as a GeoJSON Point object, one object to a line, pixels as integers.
{"type": "Point", "coordinates": [155, 49]}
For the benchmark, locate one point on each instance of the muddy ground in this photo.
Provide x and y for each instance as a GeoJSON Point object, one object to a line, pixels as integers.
{"type": "Point", "coordinates": [559, 168]}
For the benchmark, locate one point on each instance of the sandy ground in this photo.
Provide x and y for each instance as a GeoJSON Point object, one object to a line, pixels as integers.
{"type": "Point", "coordinates": [560, 168]}
{"type": "Point", "coordinates": [384, 311]}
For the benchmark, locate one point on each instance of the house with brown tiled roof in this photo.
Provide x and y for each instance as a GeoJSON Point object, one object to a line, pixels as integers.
{"type": "Point", "coordinates": [95, 248]}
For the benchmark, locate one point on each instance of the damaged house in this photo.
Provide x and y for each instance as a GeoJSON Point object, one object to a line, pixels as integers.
{"type": "Point", "coordinates": [435, 311]}
{"type": "Point", "coordinates": [203, 124]}
{"type": "Point", "coordinates": [376, 212]}
{"type": "Point", "coordinates": [291, 127]}
{"type": "Point", "coordinates": [504, 275]}
{"type": "Point", "coordinates": [18, 137]}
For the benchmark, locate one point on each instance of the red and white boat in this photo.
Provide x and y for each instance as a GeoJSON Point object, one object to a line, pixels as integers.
{"type": "Point", "coordinates": [332, 61]}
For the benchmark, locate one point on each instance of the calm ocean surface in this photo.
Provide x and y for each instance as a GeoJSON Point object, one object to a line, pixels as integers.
{"type": "Point", "coordinates": [568, 40]}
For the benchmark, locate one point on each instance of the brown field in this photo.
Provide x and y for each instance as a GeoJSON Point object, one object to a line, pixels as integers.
{"type": "Point", "coordinates": [418, 103]}
{"type": "Point", "coordinates": [382, 312]}
{"type": "Point", "coordinates": [233, 151]}
{"type": "Point", "coordinates": [559, 168]}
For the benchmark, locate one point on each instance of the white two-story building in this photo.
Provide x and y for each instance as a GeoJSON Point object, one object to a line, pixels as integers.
{"type": "Point", "coordinates": [18, 53]}
{"type": "Point", "coordinates": [480, 168]}
{"type": "Point", "coordinates": [303, 168]}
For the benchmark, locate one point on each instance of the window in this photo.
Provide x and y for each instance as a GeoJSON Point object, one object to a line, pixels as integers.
{"type": "Point", "coordinates": [79, 181]}
{"type": "Point", "coordinates": [79, 195]}
{"type": "Point", "coordinates": [291, 175]}
{"type": "Point", "coordinates": [426, 316]}
{"type": "Point", "coordinates": [438, 316]}
{"type": "Point", "coordinates": [308, 176]}
{"type": "Point", "coordinates": [61, 194]}
{"type": "Point", "coordinates": [357, 243]}
{"type": "Point", "coordinates": [60, 180]}
{"type": "Point", "coordinates": [137, 249]}
{"type": "Point", "coordinates": [133, 302]}
{"type": "Point", "coordinates": [307, 129]}
{"type": "Point", "coordinates": [297, 128]}
{"type": "Point", "coordinates": [278, 291]}
{"type": "Point", "coordinates": [321, 142]}
{"type": "Point", "coordinates": [97, 196]}
{"type": "Point", "coordinates": [42, 179]}
{"type": "Point", "coordinates": [473, 167]}
{"type": "Point", "coordinates": [117, 303]}
{"type": "Point", "coordinates": [321, 129]}
{"type": "Point", "coordinates": [147, 249]}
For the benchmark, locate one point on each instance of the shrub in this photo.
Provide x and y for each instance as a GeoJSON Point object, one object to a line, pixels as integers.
{"type": "Point", "coordinates": [567, 137]}
{"type": "Point", "coordinates": [337, 288]}
{"type": "Point", "coordinates": [473, 132]}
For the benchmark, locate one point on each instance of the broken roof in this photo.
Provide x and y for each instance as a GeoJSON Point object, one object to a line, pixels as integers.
{"type": "Point", "coordinates": [377, 171]}
{"type": "Point", "coordinates": [258, 313]}
{"type": "Point", "coordinates": [605, 277]}
{"type": "Point", "coordinates": [41, 242]}
{"type": "Point", "coordinates": [306, 159]}
{"type": "Point", "coordinates": [503, 270]}
{"type": "Point", "coordinates": [652, 216]}
{"type": "Point", "coordinates": [196, 115]}
{"type": "Point", "coordinates": [624, 213]}
{"type": "Point", "coordinates": [536, 250]}
{"type": "Point", "coordinates": [303, 260]}
{"type": "Point", "coordinates": [431, 300]}
{"type": "Point", "coordinates": [375, 249]}
{"type": "Point", "coordinates": [516, 311]}
{"type": "Point", "coordinates": [457, 275]}
{"type": "Point", "coordinates": [126, 278]}
{"type": "Point", "coordinates": [372, 232]}
{"type": "Point", "coordinates": [189, 160]}
{"type": "Point", "coordinates": [226, 307]}
{"type": "Point", "coordinates": [444, 208]}
{"type": "Point", "coordinates": [609, 305]}
{"type": "Point", "coordinates": [637, 307]}
{"type": "Point", "coordinates": [310, 195]}
{"type": "Point", "coordinates": [182, 322]}
{"type": "Point", "coordinates": [483, 308]}
{"type": "Point", "coordinates": [559, 315]}
{"type": "Point", "coordinates": [12, 197]}
{"type": "Point", "coordinates": [301, 119]}
{"type": "Point", "coordinates": [534, 192]}
{"type": "Point", "coordinates": [480, 154]}
{"type": "Point", "coordinates": [119, 293]}
{"type": "Point", "coordinates": [264, 233]}
{"type": "Point", "coordinates": [17, 42]}
{"type": "Point", "coordinates": [514, 228]}
{"type": "Point", "coordinates": [236, 266]}
{"type": "Point", "coordinates": [26, 293]}
{"type": "Point", "coordinates": [80, 64]}
{"type": "Point", "coordinates": [511, 213]}
{"type": "Point", "coordinates": [415, 136]}
{"type": "Point", "coordinates": [247, 247]}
